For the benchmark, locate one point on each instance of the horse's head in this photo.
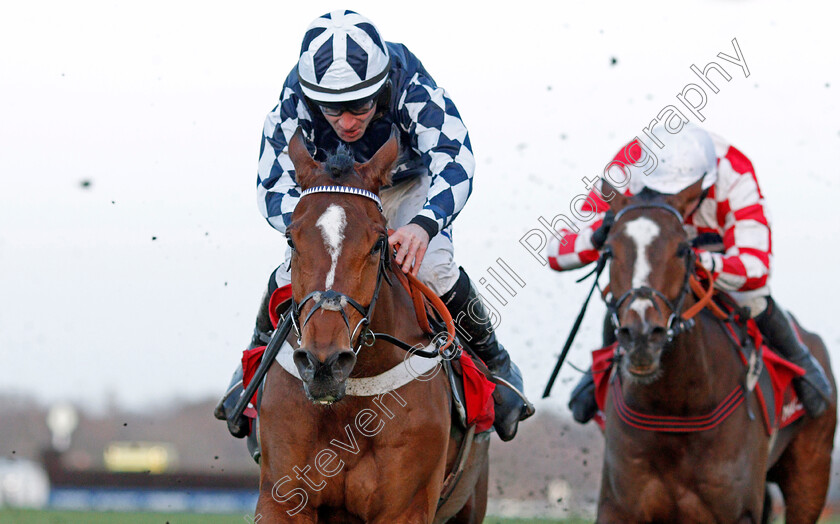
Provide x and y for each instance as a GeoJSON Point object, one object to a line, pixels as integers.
{"type": "Point", "coordinates": [339, 242]}
{"type": "Point", "coordinates": [651, 261]}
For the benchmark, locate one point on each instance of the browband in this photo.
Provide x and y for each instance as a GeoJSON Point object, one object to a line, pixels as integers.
{"type": "Point", "coordinates": [344, 189]}
{"type": "Point", "coordinates": [651, 205]}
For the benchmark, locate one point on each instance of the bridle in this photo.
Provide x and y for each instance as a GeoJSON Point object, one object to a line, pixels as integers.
{"type": "Point", "coordinates": [678, 322]}
{"type": "Point", "coordinates": [331, 300]}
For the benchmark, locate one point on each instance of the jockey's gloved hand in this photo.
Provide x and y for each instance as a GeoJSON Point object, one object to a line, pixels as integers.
{"type": "Point", "coordinates": [600, 234]}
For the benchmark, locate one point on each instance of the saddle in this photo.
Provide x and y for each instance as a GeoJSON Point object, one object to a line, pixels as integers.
{"type": "Point", "coordinates": [767, 375]}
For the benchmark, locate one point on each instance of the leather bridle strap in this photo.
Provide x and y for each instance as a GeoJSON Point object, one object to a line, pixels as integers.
{"type": "Point", "coordinates": [649, 205]}
{"type": "Point", "coordinates": [679, 320]}
{"type": "Point", "coordinates": [332, 300]}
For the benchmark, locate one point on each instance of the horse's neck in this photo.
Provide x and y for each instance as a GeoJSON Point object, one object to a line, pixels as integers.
{"type": "Point", "coordinates": [393, 315]}
{"type": "Point", "coordinates": [698, 370]}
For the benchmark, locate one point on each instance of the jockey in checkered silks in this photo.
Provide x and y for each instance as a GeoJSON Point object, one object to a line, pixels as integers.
{"type": "Point", "coordinates": [729, 228]}
{"type": "Point", "coordinates": [348, 88]}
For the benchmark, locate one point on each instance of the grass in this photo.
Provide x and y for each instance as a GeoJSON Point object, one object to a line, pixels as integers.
{"type": "Point", "coordinates": [11, 516]}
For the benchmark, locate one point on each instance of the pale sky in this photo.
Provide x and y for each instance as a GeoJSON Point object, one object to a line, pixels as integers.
{"type": "Point", "coordinates": [160, 106]}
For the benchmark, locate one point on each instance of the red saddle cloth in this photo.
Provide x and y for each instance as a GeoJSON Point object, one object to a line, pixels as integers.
{"type": "Point", "coordinates": [779, 405]}
{"type": "Point", "coordinates": [478, 395]}
{"type": "Point", "coordinates": [478, 390]}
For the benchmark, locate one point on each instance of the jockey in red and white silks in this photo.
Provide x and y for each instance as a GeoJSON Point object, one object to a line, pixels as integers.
{"type": "Point", "coordinates": [732, 216]}
{"type": "Point", "coordinates": [730, 229]}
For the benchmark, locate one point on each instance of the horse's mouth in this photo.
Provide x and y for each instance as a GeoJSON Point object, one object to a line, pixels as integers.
{"type": "Point", "coordinates": [324, 394]}
{"type": "Point", "coordinates": [641, 374]}
{"type": "Point", "coordinates": [642, 371]}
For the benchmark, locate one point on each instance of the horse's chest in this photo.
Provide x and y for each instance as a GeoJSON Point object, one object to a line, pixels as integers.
{"type": "Point", "coordinates": [364, 455]}
{"type": "Point", "coordinates": [675, 485]}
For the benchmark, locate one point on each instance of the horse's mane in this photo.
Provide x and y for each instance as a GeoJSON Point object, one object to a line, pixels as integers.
{"type": "Point", "coordinates": [647, 194]}
{"type": "Point", "coordinates": [340, 164]}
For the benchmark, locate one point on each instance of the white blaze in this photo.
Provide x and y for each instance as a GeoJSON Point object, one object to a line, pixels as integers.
{"type": "Point", "coordinates": [331, 224]}
{"type": "Point", "coordinates": [640, 306]}
{"type": "Point", "coordinates": [642, 231]}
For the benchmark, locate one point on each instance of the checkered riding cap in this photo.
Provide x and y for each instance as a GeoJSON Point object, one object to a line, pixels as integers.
{"type": "Point", "coordinates": [687, 156]}
{"type": "Point", "coordinates": [342, 58]}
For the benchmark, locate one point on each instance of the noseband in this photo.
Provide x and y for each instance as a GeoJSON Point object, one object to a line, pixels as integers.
{"type": "Point", "coordinates": [677, 323]}
{"type": "Point", "coordinates": [331, 300]}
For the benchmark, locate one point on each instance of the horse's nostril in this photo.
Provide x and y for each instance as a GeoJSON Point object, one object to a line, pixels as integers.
{"type": "Point", "coordinates": [624, 336]}
{"type": "Point", "coordinates": [306, 363]}
{"type": "Point", "coordinates": [342, 364]}
{"type": "Point", "coordinates": [658, 335]}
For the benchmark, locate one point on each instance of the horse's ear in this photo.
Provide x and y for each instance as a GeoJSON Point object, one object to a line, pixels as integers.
{"type": "Point", "coordinates": [686, 200]}
{"type": "Point", "coordinates": [618, 201]}
{"type": "Point", "coordinates": [305, 165]}
{"type": "Point", "coordinates": [377, 171]}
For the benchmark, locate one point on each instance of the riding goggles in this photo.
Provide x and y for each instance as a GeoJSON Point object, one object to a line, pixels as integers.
{"type": "Point", "coordinates": [356, 107]}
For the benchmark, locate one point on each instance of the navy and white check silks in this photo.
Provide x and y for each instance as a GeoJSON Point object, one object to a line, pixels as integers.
{"type": "Point", "coordinates": [434, 141]}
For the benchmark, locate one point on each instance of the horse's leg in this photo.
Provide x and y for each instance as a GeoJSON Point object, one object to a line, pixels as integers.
{"type": "Point", "coordinates": [767, 508]}
{"type": "Point", "coordinates": [475, 508]}
{"type": "Point", "coordinates": [804, 469]}
{"type": "Point", "coordinates": [278, 501]}
{"type": "Point", "coordinates": [270, 511]}
{"type": "Point", "coordinates": [421, 510]}
{"type": "Point", "coordinates": [610, 514]}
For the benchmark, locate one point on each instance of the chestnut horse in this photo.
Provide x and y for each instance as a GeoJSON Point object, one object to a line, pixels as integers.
{"type": "Point", "coordinates": [671, 369]}
{"type": "Point", "coordinates": [331, 453]}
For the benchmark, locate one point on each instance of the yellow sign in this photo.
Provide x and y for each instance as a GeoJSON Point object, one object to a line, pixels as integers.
{"type": "Point", "coordinates": [154, 457]}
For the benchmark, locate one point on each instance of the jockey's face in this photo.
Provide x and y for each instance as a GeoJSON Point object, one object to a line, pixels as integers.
{"type": "Point", "coordinates": [348, 125]}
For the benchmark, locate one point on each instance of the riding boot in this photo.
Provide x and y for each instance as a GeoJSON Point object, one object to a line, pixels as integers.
{"type": "Point", "coordinates": [472, 321]}
{"type": "Point", "coordinates": [240, 427]}
{"type": "Point", "coordinates": [582, 401]}
{"type": "Point", "coordinates": [813, 389]}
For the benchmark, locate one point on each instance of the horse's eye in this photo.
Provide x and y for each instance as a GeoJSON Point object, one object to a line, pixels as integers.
{"type": "Point", "coordinates": [290, 242]}
{"type": "Point", "coordinates": [683, 249]}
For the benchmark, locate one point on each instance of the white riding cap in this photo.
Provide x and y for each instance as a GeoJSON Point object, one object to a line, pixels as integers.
{"type": "Point", "coordinates": [342, 58]}
{"type": "Point", "coordinates": [686, 157]}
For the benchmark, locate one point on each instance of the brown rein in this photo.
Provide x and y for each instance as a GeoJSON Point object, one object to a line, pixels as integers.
{"type": "Point", "coordinates": [704, 295]}
{"type": "Point", "coordinates": [420, 291]}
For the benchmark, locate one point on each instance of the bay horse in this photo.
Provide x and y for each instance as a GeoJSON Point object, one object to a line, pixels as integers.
{"type": "Point", "coordinates": [329, 453]}
{"type": "Point", "coordinates": [670, 368]}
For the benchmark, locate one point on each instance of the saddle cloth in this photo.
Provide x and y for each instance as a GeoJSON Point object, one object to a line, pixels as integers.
{"type": "Point", "coordinates": [773, 388]}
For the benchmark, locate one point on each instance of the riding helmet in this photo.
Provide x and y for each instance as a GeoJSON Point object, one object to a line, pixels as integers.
{"type": "Point", "coordinates": [343, 58]}
{"type": "Point", "coordinates": [684, 158]}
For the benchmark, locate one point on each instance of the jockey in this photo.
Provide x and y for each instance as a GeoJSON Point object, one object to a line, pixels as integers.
{"type": "Point", "coordinates": [349, 87]}
{"type": "Point", "coordinates": [729, 229]}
